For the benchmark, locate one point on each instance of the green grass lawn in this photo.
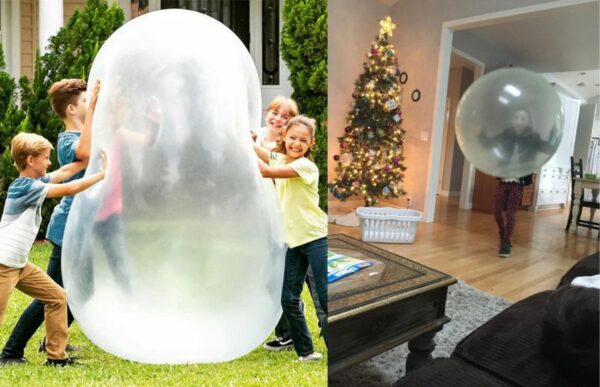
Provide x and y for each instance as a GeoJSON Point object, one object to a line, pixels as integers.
{"type": "Point", "coordinates": [99, 368]}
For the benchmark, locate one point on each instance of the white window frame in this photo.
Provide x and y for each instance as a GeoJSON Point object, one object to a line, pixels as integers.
{"type": "Point", "coordinates": [10, 36]}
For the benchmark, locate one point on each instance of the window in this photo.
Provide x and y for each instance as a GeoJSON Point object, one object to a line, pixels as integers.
{"type": "Point", "coordinates": [270, 42]}
{"type": "Point", "coordinates": [235, 14]}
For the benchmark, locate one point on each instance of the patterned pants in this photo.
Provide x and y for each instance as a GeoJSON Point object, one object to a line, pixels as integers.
{"type": "Point", "coordinates": [508, 198]}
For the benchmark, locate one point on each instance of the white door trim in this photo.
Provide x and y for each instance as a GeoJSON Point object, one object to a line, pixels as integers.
{"type": "Point", "coordinates": [439, 108]}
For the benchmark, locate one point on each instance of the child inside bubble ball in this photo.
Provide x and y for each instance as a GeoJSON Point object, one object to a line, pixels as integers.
{"type": "Point", "coordinates": [296, 180]}
{"type": "Point", "coordinates": [68, 101]}
{"type": "Point", "coordinates": [518, 144]}
{"type": "Point", "coordinates": [19, 226]}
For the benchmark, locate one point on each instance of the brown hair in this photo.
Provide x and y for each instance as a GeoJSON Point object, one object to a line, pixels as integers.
{"type": "Point", "coordinates": [302, 120]}
{"type": "Point", "coordinates": [286, 103]}
{"type": "Point", "coordinates": [24, 145]}
{"type": "Point", "coordinates": [64, 93]}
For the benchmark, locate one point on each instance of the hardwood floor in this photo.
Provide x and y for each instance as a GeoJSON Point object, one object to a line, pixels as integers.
{"type": "Point", "coordinates": [465, 244]}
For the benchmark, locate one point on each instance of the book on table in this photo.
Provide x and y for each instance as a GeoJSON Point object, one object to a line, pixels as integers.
{"type": "Point", "coordinates": [340, 266]}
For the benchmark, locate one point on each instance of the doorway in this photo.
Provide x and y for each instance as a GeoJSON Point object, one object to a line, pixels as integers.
{"type": "Point", "coordinates": [464, 69]}
{"type": "Point", "coordinates": [495, 55]}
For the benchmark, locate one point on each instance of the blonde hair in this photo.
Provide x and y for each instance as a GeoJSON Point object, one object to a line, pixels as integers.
{"type": "Point", "coordinates": [64, 93]}
{"type": "Point", "coordinates": [301, 120]}
{"type": "Point", "coordinates": [288, 104]}
{"type": "Point", "coordinates": [24, 145]}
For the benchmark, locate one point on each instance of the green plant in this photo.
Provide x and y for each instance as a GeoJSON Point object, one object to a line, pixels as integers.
{"type": "Point", "coordinates": [11, 118]}
{"type": "Point", "coordinates": [70, 54]}
{"type": "Point", "coordinates": [304, 49]}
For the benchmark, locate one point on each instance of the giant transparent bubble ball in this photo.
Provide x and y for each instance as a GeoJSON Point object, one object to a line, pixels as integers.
{"type": "Point", "coordinates": [177, 256]}
{"type": "Point", "coordinates": [509, 122]}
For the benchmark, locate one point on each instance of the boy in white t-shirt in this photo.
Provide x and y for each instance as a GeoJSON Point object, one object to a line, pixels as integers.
{"type": "Point", "coordinates": [19, 226]}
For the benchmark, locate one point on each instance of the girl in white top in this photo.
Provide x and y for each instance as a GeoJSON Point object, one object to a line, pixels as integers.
{"type": "Point", "coordinates": [279, 111]}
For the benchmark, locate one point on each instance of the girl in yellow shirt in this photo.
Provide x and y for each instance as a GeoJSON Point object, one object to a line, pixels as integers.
{"type": "Point", "coordinates": [296, 180]}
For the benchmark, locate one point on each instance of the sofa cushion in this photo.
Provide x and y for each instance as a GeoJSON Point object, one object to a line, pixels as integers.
{"type": "Point", "coordinates": [450, 372]}
{"type": "Point", "coordinates": [509, 346]}
{"type": "Point", "coordinates": [585, 267]}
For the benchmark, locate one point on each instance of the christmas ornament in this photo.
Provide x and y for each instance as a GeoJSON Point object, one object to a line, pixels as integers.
{"type": "Point", "coordinates": [391, 104]}
{"type": "Point", "coordinates": [348, 130]}
{"type": "Point", "coordinates": [387, 27]}
{"type": "Point", "coordinates": [386, 190]}
{"type": "Point", "coordinates": [346, 158]}
{"type": "Point", "coordinates": [336, 158]}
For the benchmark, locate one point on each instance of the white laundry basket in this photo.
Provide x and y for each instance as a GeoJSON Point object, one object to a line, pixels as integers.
{"type": "Point", "coordinates": [388, 225]}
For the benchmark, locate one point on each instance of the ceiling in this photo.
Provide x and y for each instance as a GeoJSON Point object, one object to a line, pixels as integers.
{"type": "Point", "coordinates": [564, 42]}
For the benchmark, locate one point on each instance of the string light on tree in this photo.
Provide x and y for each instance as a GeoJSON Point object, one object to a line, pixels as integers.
{"type": "Point", "coordinates": [370, 160]}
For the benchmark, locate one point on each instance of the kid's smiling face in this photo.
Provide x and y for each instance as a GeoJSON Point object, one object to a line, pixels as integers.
{"type": "Point", "coordinates": [298, 140]}
{"type": "Point", "coordinates": [276, 119]}
{"type": "Point", "coordinates": [40, 163]}
{"type": "Point", "coordinates": [520, 121]}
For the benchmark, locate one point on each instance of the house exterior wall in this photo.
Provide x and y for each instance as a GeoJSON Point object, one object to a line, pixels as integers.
{"type": "Point", "coordinates": [30, 30]}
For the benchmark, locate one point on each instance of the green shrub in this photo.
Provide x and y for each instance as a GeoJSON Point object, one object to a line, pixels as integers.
{"type": "Point", "coordinates": [304, 49]}
{"type": "Point", "coordinates": [11, 118]}
{"type": "Point", "coordinates": [70, 54]}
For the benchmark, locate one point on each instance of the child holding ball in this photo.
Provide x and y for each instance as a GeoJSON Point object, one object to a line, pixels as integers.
{"type": "Point", "coordinates": [296, 180]}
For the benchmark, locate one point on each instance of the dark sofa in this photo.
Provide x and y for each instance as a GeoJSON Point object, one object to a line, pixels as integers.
{"type": "Point", "coordinates": [507, 350]}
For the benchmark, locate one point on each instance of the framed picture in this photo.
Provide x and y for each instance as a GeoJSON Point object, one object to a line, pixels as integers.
{"type": "Point", "coordinates": [416, 95]}
{"type": "Point", "coordinates": [403, 77]}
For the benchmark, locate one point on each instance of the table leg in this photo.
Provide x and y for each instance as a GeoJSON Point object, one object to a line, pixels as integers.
{"type": "Point", "coordinates": [578, 189]}
{"type": "Point", "coordinates": [420, 349]}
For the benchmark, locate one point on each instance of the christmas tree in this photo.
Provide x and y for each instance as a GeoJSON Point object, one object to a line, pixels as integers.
{"type": "Point", "coordinates": [370, 161]}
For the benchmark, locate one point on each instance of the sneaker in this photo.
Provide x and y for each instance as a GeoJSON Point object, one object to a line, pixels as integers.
{"type": "Point", "coordinates": [315, 356]}
{"type": "Point", "coordinates": [8, 360]}
{"type": "Point", "coordinates": [61, 363]}
{"type": "Point", "coordinates": [279, 344]}
{"type": "Point", "coordinates": [505, 248]}
{"type": "Point", "coordinates": [69, 348]}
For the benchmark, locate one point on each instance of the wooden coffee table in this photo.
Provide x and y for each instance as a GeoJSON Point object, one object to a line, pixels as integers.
{"type": "Point", "coordinates": [378, 308]}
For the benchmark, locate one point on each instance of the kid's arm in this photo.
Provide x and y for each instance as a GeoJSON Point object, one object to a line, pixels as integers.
{"type": "Point", "coordinates": [76, 186]}
{"type": "Point", "coordinates": [82, 152]}
{"type": "Point", "coordinates": [66, 171]}
{"type": "Point", "coordinates": [261, 152]}
{"type": "Point", "coordinates": [280, 172]}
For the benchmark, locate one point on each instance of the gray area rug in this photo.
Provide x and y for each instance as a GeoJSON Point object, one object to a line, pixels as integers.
{"type": "Point", "coordinates": [468, 308]}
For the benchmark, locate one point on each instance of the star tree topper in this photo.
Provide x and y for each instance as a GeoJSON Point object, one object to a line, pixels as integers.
{"type": "Point", "coordinates": [387, 27]}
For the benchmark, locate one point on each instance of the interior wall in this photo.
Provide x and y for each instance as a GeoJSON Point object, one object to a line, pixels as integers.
{"type": "Point", "coordinates": [460, 79]}
{"type": "Point", "coordinates": [453, 96]}
{"type": "Point", "coordinates": [583, 136]}
{"type": "Point", "coordinates": [493, 57]}
{"type": "Point", "coordinates": [596, 128]}
{"type": "Point", "coordinates": [466, 79]}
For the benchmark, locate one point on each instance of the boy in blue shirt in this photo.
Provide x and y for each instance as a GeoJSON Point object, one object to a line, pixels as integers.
{"type": "Point", "coordinates": [19, 226]}
{"type": "Point", "coordinates": [68, 100]}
